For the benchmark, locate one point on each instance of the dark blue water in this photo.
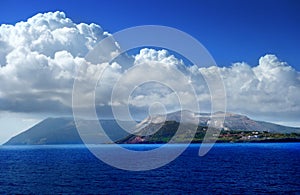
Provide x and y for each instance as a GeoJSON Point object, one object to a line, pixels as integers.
{"type": "Point", "coordinates": [226, 169]}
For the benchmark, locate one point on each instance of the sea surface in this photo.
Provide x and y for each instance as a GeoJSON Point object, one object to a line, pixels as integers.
{"type": "Point", "coordinates": [227, 169]}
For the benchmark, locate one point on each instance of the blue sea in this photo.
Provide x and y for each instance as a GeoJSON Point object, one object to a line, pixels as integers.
{"type": "Point", "coordinates": [227, 169]}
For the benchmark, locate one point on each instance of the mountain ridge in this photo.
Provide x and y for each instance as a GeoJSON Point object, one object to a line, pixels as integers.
{"type": "Point", "coordinates": [62, 130]}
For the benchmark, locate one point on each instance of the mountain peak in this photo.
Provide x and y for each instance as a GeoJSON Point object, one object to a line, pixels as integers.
{"type": "Point", "coordinates": [63, 130]}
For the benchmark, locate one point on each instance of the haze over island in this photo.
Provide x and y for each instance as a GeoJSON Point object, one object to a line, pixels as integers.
{"type": "Point", "coordinates": [39, 57]}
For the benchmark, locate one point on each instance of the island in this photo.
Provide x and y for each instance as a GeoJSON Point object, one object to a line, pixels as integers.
{"type": "Point", "coordinates": [161, 129]}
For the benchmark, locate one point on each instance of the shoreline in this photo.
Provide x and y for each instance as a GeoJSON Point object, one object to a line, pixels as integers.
{"type": "Point", "coordinates": [288, 140]}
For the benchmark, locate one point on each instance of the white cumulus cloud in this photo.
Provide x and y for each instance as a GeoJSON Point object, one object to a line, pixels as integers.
{"type": "Point", "coordinates": [271, 88]}
{"type": "Point", "coordinates": [39, 59]}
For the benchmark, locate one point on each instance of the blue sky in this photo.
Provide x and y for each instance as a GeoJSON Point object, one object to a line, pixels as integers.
{"type": "Point", "coordinates": [231, 30]}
